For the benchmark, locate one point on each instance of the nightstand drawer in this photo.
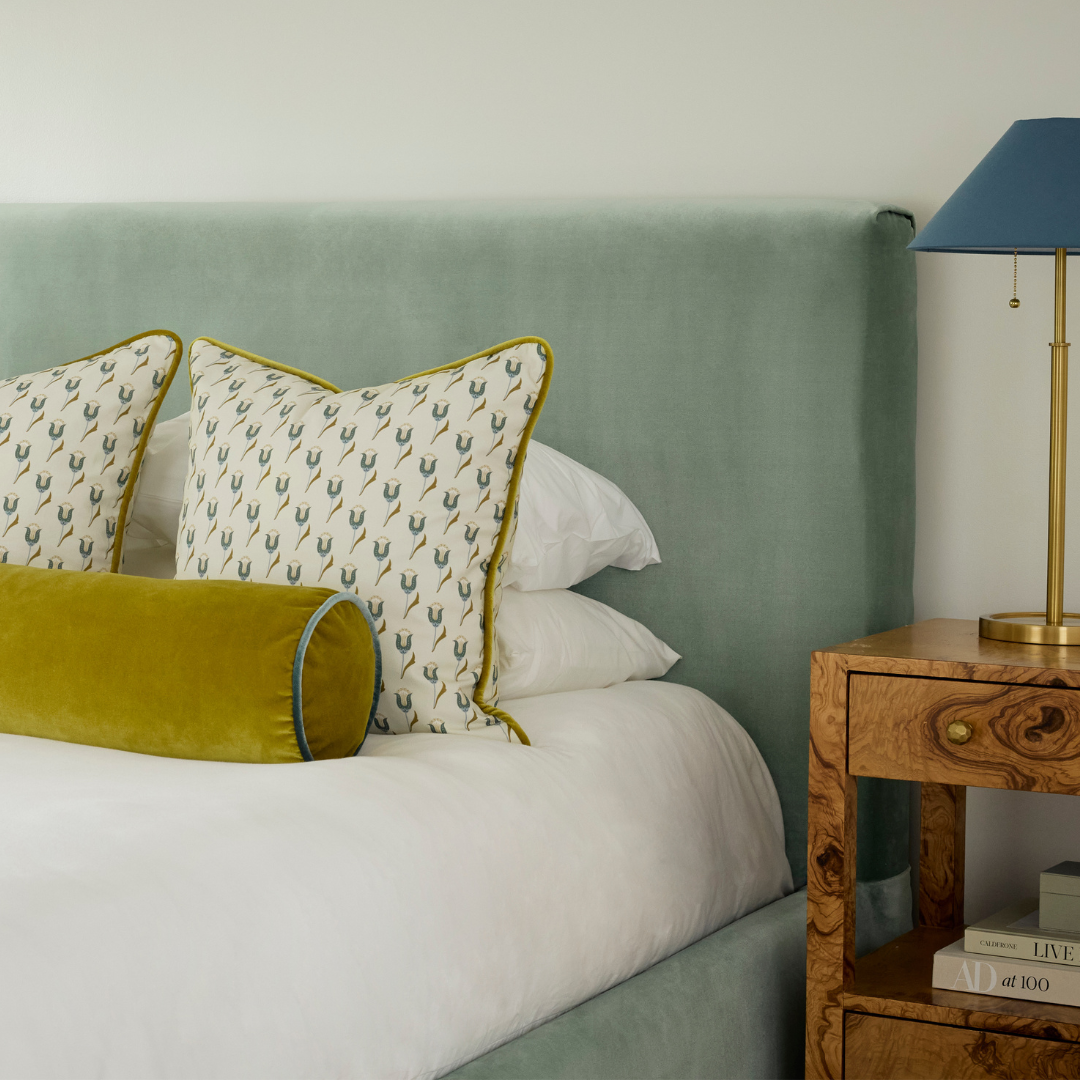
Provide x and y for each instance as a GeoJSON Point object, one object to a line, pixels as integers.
{"type": "Point", "coordinates": [1021, 737]}
{"type": "Point", "coordinates": [884, 1048]}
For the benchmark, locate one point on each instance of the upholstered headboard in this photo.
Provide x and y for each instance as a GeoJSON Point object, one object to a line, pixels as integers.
{"type": "Point", "coordinates": [745, 370]}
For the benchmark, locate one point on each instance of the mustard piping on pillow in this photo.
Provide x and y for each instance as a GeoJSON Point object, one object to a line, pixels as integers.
{"type": "Point", "coordinates": [511, 498]}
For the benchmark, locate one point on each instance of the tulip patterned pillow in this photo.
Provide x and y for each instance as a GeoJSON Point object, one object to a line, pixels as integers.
{"type": "Point", "coordinates": [404, 494]}
{"type": "Point", "coordinates": [71, 442]}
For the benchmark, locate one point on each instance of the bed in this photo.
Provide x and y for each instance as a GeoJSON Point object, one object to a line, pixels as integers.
{"type": "Point", "coordinates": [745, 372]}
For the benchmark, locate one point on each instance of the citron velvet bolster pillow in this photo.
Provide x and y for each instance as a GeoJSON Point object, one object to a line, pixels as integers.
{"type": "Point", "coordinates": [215, 670]}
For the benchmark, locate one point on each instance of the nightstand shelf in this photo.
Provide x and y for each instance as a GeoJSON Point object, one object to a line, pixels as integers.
{"type": "Point", "coordinates": [891, 706]}
{"type": "Point", "coordinates": [895, 981]}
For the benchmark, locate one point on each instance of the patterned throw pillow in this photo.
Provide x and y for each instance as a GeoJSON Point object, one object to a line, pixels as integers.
{"type": "Point", "coordinates": [71, 443]}
{"type": "Point", "coordinates": [404, 494]}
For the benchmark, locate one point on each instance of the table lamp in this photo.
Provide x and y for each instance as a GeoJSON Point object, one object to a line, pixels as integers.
{"type": "Point", "coordinates": [1024, 198]}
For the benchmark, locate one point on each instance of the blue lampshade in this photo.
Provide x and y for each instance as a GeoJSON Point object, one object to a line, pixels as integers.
{"type": "Point", "coordinates": [1025, 194]}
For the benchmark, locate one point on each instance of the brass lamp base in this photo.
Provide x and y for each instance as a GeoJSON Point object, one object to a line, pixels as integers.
{"type": "Point", "coordinates": [1030, 626]}
{"type": "Point", "coordinates": [1053, 626]}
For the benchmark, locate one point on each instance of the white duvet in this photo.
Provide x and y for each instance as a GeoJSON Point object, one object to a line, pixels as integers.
{"type": "Point", "coordinates": [392, 915]}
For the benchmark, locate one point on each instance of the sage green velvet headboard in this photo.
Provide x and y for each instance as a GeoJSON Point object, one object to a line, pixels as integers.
{"type": "Point", "coordinates": [745, 370]}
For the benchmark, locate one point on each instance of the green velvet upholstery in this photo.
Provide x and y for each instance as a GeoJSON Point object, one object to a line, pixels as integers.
{"type": "Point", "coordinates": [192, 669]}
{"type": "Point", "coordinates": [731, 1005]}
{"type": "Point", "coordinates": [745, 370]}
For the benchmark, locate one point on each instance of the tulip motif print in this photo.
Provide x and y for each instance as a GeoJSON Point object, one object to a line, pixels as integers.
{"type": "Point", "coordinates": [404, 441]}
{"type": "Point", "coordinates": [461, 647]}
{"type": "Point", "coordinates": [33, 535]}
{"type": "Point", "coordinates": [409, 580]}
{"type": "Point", "coordinates": [403, 700]}
{"type": "Point", "coordinates": [64, 514]}
{"type": "Point", "coordinates": [428, 465]}
{"type": "Point", "coordinates": [442, 565]}
{"type": "Point", "coordinates": [356, 523]}
{"type": "Point", "coordinates": [68, 458]}
{"type": "Point", "coordinates": [333, 493]}
{"type": "Point", "coordinates": [252, 515]}
{"type": "Point", "coordinates": [11, 510]}
{"type": "Point", "coordinates": [323, 546]}
{"type": "Point", "coordinates": [400, 494]}
{"type": "Point", "coordinates": [435, 614]}
{"type": "Point", "coordinates": [76, 461]}
{"type": "Point", "coordinates": [273, 538]}
{"type": "Point", "coordinates": [347, 435]}
{"type": "Point", "coordinates": [403, 643]}
{"type": "Point", "coordinates": [439, 412]}
{"type": "Point", "coordinates": [108, 445]}
{"type": "Point", "coordinates": [417, 521]}
{"type": "Point", "coordinates": [374, 603]}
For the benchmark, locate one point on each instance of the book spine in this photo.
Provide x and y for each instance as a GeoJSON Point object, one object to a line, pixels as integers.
{"type": "Point", "coordinates": [1046, 950]}
{"type": "Point", "coordinates": [1003, 978]}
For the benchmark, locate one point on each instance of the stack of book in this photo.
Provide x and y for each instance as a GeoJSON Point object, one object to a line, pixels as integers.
{"type": "Point", "coordinates": [1014, 954]}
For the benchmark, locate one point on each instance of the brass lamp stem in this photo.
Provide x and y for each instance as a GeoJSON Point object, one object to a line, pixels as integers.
{"type": "Point", "coordinates": [1059, 402]}
{"type": "Point", "coordinates": [1054, 626]}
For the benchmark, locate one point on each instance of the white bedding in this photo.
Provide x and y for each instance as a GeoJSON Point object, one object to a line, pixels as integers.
{"type": "Point", "coordinates": [392, 915]}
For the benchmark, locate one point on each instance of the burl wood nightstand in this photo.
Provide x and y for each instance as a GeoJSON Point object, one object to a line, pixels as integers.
{"type": "Point", "coordinates": [937, 703]}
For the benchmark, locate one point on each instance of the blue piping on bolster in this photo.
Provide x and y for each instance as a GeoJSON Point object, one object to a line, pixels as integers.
{"type": "Point", "coordinates": [298, 667]}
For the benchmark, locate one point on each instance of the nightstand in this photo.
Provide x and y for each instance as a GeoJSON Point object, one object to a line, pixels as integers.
{"type": "Point", "coordinates": [932, 702]}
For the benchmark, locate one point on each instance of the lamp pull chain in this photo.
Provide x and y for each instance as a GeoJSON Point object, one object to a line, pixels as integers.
{"type": "Point", "coordinates": [1014, 302]}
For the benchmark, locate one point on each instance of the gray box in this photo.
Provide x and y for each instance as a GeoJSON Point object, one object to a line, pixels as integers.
{"type": "Point", "coordinates": [1059, 897]}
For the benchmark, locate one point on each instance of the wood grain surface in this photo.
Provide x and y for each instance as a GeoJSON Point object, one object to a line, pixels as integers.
{"type": "Point", "coordinates": [883, 1047]}
{"type": "Point", "coordinates": [952, 648]}
{"type": "Point", "coordinates": [880, 707]}
{"type": "Point", "coordinates": [1025, 737]}
{"type": "Point", "coordinates": [895, 981]}
{"type": "Point", "coordinates": [830, 886]}
{"type": "Point", "coordinates": [941, 855]}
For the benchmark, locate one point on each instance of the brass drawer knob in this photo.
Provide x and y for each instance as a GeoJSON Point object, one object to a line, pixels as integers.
{"type": "Point", "coordinates": [959, 731]}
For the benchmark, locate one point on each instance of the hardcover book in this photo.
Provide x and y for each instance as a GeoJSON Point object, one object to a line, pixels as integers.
{"type": "Point", "coordinates": [1014, 932]}
{"type": "Point", "coordinates": [977, 973]}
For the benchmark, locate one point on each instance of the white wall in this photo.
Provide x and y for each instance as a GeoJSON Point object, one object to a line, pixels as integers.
{"type": "Point", "coordinates": [114, 100]}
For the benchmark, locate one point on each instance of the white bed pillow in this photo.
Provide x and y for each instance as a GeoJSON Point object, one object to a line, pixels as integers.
{"type": "Point", "coordinates": [160, 494]}
{"type": "Point", "coordinates": [150, 541]}
{"type": "Point", "coordinates": [572, 522]}
{"type": "Point", "coordinates": [555, 640]}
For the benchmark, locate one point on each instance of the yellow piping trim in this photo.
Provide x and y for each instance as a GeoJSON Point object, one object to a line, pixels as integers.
{"type": "Point", "coordinates": [261, 360]}
{"type": "Point", "coordinates": [511, 493]}
{"type": "Point", "coordinates": [500, 543]}
{"type": "Point", "coordinates": [125, 502]}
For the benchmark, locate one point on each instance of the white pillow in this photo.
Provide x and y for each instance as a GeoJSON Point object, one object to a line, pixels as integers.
{"type": "Point", "coordinates": [150, 541]}
{"type": "Point", "coordinates": [572, 521]}
{"type": "Point", "coordinates": [161, 481]}
{"type": "Point", "coordinates": [555, 640]}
